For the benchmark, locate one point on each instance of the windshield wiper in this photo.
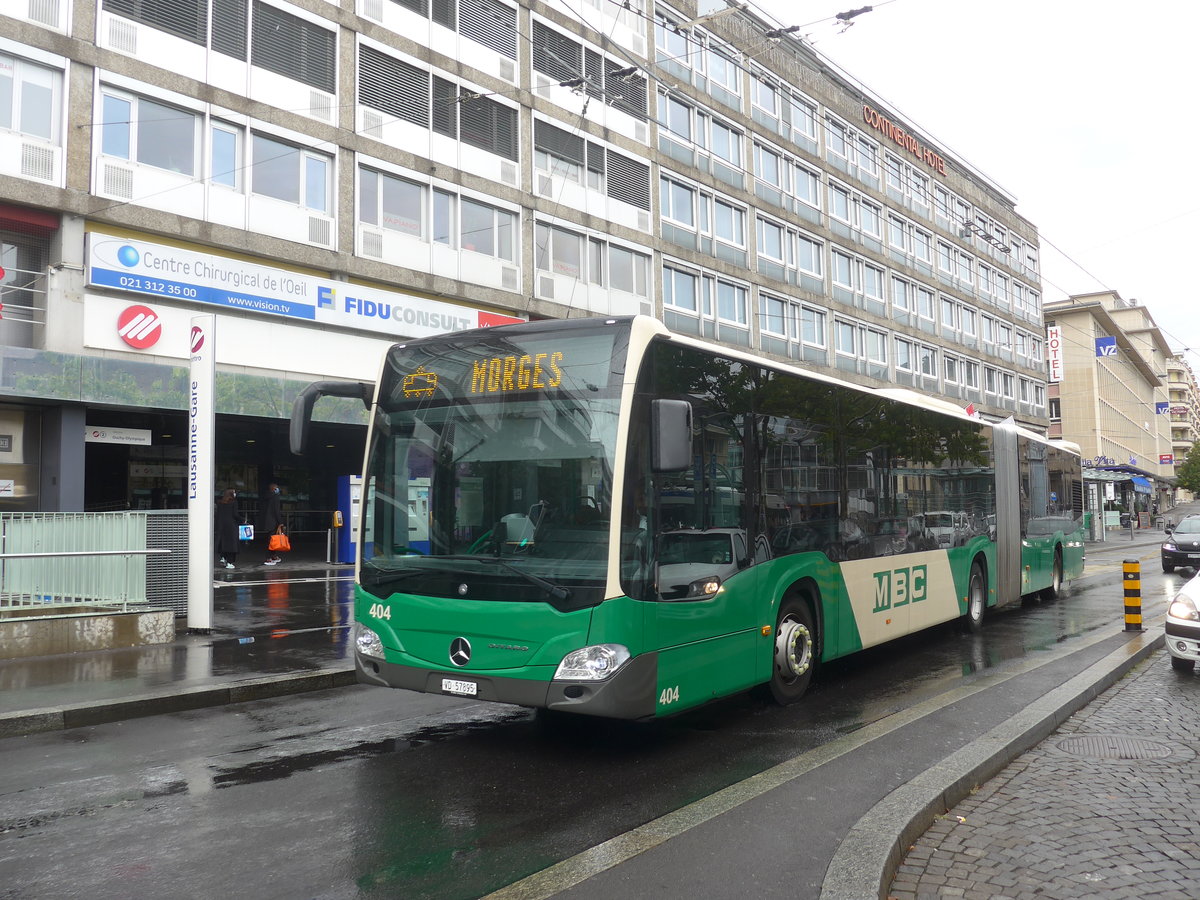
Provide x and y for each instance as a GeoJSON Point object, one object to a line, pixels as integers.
{"type": "Point", "coordinates": [556, 591]}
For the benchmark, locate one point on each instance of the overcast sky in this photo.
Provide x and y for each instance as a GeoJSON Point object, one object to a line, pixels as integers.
{"type": "Point", "coordinates": [1084, 110]}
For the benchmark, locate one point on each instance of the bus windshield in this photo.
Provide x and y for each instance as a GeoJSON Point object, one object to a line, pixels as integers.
{"type": "Point", "coordinates": [492, 466]}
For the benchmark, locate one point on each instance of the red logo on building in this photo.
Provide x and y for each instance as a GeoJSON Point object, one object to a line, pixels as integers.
{"type": "Point", "coordinates": [139, 327]}
{"type": "Point", "coordinates": [197, 338]}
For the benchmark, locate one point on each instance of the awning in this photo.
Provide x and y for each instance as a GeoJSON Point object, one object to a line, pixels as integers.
{"type": "Point", "coordinates": [1142, 485]}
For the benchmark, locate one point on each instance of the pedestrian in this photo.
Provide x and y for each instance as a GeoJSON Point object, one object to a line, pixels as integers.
{"type": "Point", "coordinates": [227, 520]}
{"type": "Point", "coordinates": [271, 522]}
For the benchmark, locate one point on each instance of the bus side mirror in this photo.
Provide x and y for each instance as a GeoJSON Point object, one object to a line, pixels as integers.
{"type": "Point", "coordinates": [670, 435]}
{"type": "Point", "coordinates": [303, 404]}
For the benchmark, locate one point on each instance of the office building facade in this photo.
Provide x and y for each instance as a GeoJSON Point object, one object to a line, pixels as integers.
{"type": "Point", "coordinates": [326, 177]}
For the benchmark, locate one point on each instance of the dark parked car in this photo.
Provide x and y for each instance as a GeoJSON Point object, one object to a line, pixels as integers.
{"type": "Point", "coordinates": [1182, 546]}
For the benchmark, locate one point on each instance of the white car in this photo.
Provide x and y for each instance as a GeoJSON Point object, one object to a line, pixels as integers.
{"type": "Point", "coordinates": [949, 529]}
{"type": "Point", "coordinates": [1183, 627]}
{"type": "Point", "coordinates": [695, 563]}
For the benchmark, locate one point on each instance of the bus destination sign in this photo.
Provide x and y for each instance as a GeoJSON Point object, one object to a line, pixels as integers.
{"type": "Point", "coordinates": [517, 374]}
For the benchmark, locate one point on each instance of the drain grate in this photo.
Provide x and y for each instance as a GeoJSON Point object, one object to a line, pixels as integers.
{"type": "Point", "coordinates": [1115, 746]}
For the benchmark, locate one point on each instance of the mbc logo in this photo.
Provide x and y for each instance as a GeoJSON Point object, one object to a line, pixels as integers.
{"type": "Point", "coordinates": [900, 587]}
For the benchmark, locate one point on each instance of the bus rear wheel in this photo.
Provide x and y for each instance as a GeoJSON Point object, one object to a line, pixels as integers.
{"type": "Point", "coordinates": [795, 651]}
{"type": "Point", "coordinates": [1056, 578]}
{"type": "Point", "coordinates": [972, 620]}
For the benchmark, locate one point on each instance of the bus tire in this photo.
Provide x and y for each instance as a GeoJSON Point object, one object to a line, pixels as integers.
{"type": "Point", "coordinates": [972, 620]}
{"type": "Point", "coordinates": [795, 652]}
{"type": "Point", "coordinates": [1056, 578]}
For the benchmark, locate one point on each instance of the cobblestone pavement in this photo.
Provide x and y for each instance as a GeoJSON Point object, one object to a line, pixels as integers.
{"type": "Point", "coordinates": [1106, 807]}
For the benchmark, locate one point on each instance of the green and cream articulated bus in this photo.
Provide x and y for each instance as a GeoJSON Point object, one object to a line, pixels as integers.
{"type": "Point", "coordinates": [602, 517]}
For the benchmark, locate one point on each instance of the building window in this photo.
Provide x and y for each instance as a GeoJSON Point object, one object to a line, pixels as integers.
{"type": "Point", "coordinates": [30, 98]}
{"type": "Point", "coordinates": [950, 369]}
{"type": "Point", "coordinates": [845, 337]}
{"type": "Point", "coordinates": [770, 240]}
{"type": "Point", "coordinates": [876, 346]}
{"type": "Point", "coordinates": [812, 326]}
{"type": "Point", "coordinates": [928, 358]}
{"type": "Point", "coordinates": [289, 173]}
{"type": "Point", "coordinates": [773, 315]}
{"type": "Point", "coordinates": [723, 71]}
{"type": "Point", "coordinates": [970, 374]}
{"type": "Point", "coordinates": [724, 142]}
{"type": "Point", "coordinates": [144, 131]}
{"type": "Point", "coordinates": [627, 270]}
{"type": "Point", "coordinates": [809, 253]}
{"type": "Point", "coordinates": [677, 202]}
{"type": "Point", "coordinates": [559, 251]}
{"type": "Point", "coordinates": [387, 201]}
{"type": "Point", "coordinates": [487, 230]}
{"type": "Point", "coordinates": [731, 302]}
{"type": "Point", "coordinates": [228, 154]}
{"type": "Point", "coordinates": [729, 223]}
{"type": "Point", "coordinates": [842, 269]}
{"type": "Point", "coordinates": [765, 95]}
{"type": "Point", "coordinates": [679, 289]}
{"type": "Point", "coordinates": [804, 118]}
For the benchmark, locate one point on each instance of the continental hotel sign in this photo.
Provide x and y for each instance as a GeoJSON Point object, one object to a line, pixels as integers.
{"type": "Point", "coordinates": [893, 132]}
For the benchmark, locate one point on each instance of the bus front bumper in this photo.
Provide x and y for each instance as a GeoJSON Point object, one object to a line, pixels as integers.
{"type": "Point", "coordinates": [631, 693]}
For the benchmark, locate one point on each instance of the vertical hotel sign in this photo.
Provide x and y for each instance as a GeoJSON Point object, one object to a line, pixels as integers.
{"type": "Point", "coordinates": [200, 446]}
{"type": "Point", "coordinates": [1054, 352]}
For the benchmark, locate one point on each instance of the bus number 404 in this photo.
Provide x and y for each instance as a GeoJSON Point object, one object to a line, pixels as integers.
{"type": "Point", "coordinates": [669, 695]}
{"type": "Point", "coordinates": [379, 611]}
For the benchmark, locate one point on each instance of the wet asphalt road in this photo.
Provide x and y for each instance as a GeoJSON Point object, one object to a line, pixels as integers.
{"type": "Point", "coordinates": [365, 792]}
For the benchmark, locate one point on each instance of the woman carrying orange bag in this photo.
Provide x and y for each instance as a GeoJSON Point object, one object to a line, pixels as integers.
{"type": "Point", "coordinates": [271, 523]}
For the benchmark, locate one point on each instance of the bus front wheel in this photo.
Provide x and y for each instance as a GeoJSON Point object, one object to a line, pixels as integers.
{"type": "Point", "coordinates": [795, 651]}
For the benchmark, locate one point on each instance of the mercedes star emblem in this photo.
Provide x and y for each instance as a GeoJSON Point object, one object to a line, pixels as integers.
{"type": "Point", "coordinates": [460, 651]}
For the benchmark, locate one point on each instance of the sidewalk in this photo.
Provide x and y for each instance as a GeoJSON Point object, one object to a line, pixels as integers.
{"type": "Point", "coordinates": [1104, 807]}
{"type": "Point", "coordinates": [276, 630]}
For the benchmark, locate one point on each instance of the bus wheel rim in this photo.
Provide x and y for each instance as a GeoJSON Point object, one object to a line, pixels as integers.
{"type": "Point", "coordinates": [793, 648]}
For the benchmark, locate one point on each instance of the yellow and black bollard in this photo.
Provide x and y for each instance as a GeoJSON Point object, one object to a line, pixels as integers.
{"type": "Point", "coordinates": [1133, 595]}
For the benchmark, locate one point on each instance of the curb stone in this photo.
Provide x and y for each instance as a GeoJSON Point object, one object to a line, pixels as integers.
{"type": "Point", "coordinates": [36, 721]}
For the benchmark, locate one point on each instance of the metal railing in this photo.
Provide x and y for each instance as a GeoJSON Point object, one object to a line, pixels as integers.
{"type": "Point", "coordinates": [55, 560]}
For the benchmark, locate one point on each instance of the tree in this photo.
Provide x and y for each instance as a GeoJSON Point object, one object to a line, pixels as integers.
{"type": "Point", "coordinates": [1188, 474]}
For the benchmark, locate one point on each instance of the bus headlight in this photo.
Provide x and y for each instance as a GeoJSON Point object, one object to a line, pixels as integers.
{"type": "Point", "coordinates": [368, 643]}
{"type": "Point", "coordinates": [704, 587]}
{"type": "Point", "coordinates": [594, 663]}
{"type": "Point", "coordinates": [1183, 608]}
